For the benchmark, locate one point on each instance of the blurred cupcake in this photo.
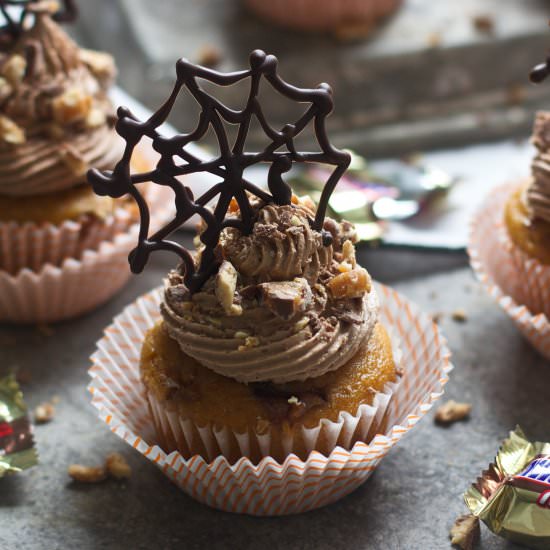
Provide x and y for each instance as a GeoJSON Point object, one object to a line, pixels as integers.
{"type": "Point", "coordinates": [345, 18]}
{"type": "Point", "coordinates": [509, 243]}
{"type": "Point", "coordinates": [267, 364]}
{"type": "Point", "coordinates": [56, 121]}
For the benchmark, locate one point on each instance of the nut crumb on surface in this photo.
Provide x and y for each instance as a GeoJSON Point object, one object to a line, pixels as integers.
{"type": "Point", "coordinates": [484, 23]}
{"type": "Point", "coordinates": [465, 532]}
{"type": "Point", "coordinates": [451, 411]}
{"type": "Point", "coordinates": [459, 315]}
{"type": "Point", "coordinates": [117, 466]}
{"type": "Point", "coordinates": [44, 413]}
{"type": "Point", "coordinates": [87, 474]}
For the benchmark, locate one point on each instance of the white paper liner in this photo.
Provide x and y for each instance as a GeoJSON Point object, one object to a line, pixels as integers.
{"type": "Point", "coordinates": [346, 430]}
{"type": "Point", "coordinates": [32, 245]}
{"type": "Point", "coordinates": [268, 487]}
{"type": "Point", "coordinates": [322, 14]}
{"type": "Point", "coordinates": [56, 293]}
{"type": "Point", "coordinates": [519, 284]}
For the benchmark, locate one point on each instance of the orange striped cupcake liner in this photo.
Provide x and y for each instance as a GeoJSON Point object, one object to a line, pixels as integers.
{"type": "Point", "coordinates": [268, 487]}
{"type": "Point", "coordinates": [322, 15]}
{"type": "Point", "coordinates": [519, 284]}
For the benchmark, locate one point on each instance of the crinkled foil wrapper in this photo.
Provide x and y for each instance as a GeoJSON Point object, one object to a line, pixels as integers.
{"type": "Point", "coordinates": [512, 497]}
{"type": "Point", "coordinates": [17, 451]}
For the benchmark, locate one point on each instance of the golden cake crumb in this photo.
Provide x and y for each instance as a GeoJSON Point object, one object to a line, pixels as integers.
{"type": "Point", "coordinates": [465, 532]}
{"type": "Point", "coordinates": [117, 466]}
{"type": "Point", "coordinates": [44, 413]}
{"type": "Point", "coordinates": [87, 474]}
{"type": "Point", "coordinates": [452, 411]}
{"type": "Point", "coordinates": [459, 315]}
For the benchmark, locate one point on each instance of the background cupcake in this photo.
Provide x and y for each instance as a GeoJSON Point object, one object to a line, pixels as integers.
{"type": "Point", "coordinates": [345, 17]}
{"type": "Point", "coordinates": [509, 244]}
{"type": "Point", "coordinates": [56, 120]}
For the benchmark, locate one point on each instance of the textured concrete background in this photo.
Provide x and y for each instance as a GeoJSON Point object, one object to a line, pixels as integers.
{"type": "Point", "coordinates": [409, 503]}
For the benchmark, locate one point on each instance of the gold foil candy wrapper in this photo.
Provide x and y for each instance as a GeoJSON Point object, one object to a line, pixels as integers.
{"type": "Point", "coordinates": [512, 497]}
{"type": "Point", "coordinates": [17, 451]}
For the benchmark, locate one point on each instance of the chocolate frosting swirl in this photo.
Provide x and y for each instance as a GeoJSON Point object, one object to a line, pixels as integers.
{"type": "Point", "coordinates": [55, 116]}
{"type": "Point", "coordinates": [538, 191]}
{"type": "Point", "coordinates": [273, 312]}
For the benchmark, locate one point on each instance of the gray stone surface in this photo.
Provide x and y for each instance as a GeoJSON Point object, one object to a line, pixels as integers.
{"type": "Point", "coordinates": [395, 92]}
{"type": "Point", "coordinates": [409, 503]}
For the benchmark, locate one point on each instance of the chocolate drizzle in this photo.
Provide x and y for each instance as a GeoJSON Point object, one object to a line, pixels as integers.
{"type": "Point", "coordinates": [14, 25]}
{"type": "Point", "coordinates": [540, 71]}
{"type": "Point", "coordinates": [229, 166]}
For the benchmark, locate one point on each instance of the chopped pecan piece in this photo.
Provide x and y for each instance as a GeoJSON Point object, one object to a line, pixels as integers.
{"type": "Point", "coordinates": [350, 284]}
{"type": "Point", "coordinates": [452, 412]}
{"type": "Point", "coordinates": [465, 532]}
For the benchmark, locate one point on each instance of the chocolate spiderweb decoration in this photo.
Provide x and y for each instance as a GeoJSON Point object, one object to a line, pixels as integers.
{"type": "Point", "coordinates": [229, 166]}
{"type": "Point", "coordinates": [14, 25]}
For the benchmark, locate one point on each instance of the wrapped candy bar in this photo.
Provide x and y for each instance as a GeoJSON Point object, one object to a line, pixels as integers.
{"type": "Point", "coordinates": [512, 497]}
{"type": "Point", "coordinates": [17, 451]}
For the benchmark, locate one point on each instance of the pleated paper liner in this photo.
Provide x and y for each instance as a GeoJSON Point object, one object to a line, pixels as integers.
{"type": "Point", "coordinates": [76, 286]}
{"type": "Point", "coordinates": [209, 441]}
{"type": "Point", "coordinates": [32, 245]}
{"type": "Point", "coordinates": [519, 284]}
{"type": "Point", "coordinates": [267, 487]}
{"type": "Point", "coordinates": [322, 15]}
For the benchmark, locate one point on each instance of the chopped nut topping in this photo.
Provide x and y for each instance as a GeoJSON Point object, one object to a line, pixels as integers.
{"type": "Point", "coordinates": [295, 221]}
{"type": "Point", "coordinates": [465, 532]}
{"type": "Point", "coordinates": [95, 118]}
{"type": "Point", "coordinates": [117, 466]}
{"type": "Point", "coordinates": [459, 315]}
{"type": "Point", "coordinates": [76, 164]}
{"type": "Point", "coordinates": [87, 474]}
{"type": "Point", "coordinates": [452, 412]}
{"type": "Point", "coordinates": [301, 324]}
{"type": "Point", "coordinates": [14, 69]}
{"type": "Point", "coordinates": [293, 400]}
{"type": "Point", "coordinates": [285, 298]}
{"type": "Point", "coordinates": [241, 334]}
{"type": "Point", "coordinates": [11, 132]}
{"type": "Point", "coordinates": [5, 88]}
{"type": "Point", "coordinates": [101, 64]}
{"type": "Point", "coordinates": [351, 284]}
{"type": "Point", "coordinates": [44, 413]}
{"type": "Point", "coordinates": [71, 106]}
{"type": "Point", "coordinates": [226, 283]}
{"type": "Point", "coordinates": [348, 253]}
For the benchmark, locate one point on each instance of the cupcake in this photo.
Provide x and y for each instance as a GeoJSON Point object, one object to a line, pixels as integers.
{"type": "Point", "coordinates": [284, 339]}
{"type": "Point", "coordinates": [527, 210]}
{"type": "Point", "coordinates": [56, 121]}
{"type": "Point", "coordinates": [267, 353]}
{"type": "Point", "coordinates": [346, 18]}
{"type": "Point", "coordinates": [508, 243]}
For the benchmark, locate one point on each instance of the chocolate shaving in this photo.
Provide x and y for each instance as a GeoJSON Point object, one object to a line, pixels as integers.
{"type": "Point", "coordinates": [16, 12]}
{"type": "Point", "coordinates": [229, 166]}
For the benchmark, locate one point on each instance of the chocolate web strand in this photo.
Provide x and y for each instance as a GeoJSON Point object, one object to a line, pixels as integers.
{"type": "Point", "coordinates": [13, 27]}
{"type": "Point", "coordinates": [176, 161]}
